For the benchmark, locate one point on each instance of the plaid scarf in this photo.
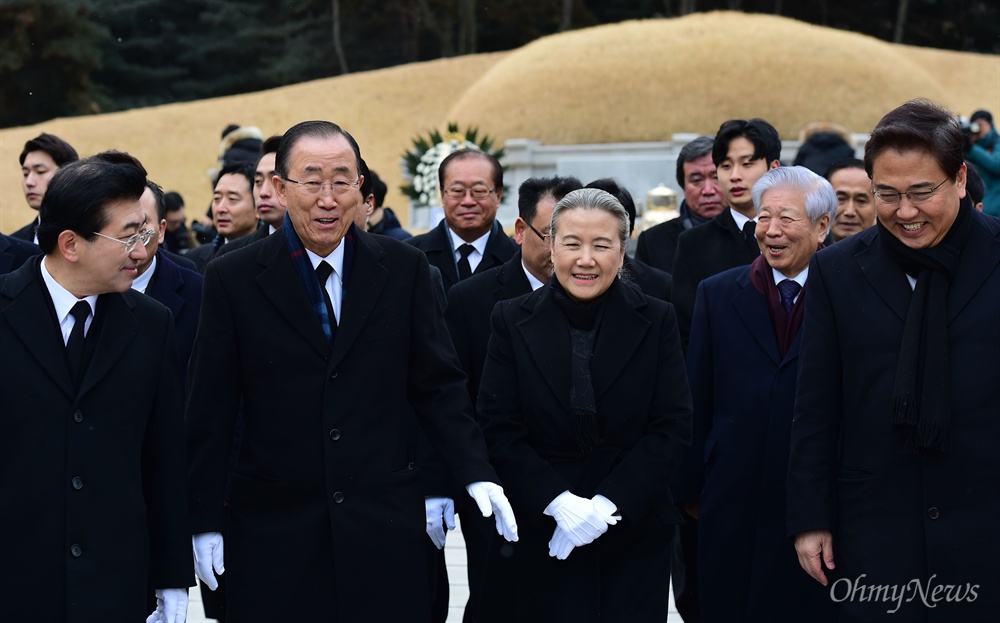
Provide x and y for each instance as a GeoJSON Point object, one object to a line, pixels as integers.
{"type": "Point", "coordinates": [307, 274]}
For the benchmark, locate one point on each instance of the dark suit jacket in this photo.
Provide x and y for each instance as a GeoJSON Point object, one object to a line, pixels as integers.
{"type": "Point", "coordinates": [643, 407]}
{"type": "Point", "coordinates": [27, 232]}
{"type": "Point", "coordinates": [262, 231]}
{"type": "Point", "coordinates": [201, 256]}
{"type": "Point", "coordinates": [92, 498]}
{"type": "Point", "coordinates": [895, 515]}
{"type": "Point", "coordinates": [657, 245]}
{"type": "Point", "coordinates": [14, 252]}
{"type": "Point", "coordinates": [436, 244]}
{"type": "Point", "coordinates": [652, 281]}
{"type": "Point", "coordinates": [743, 392]}
{"type": "Point", "coordinates": [179, 289]}
{"type": "Point", "coordinates": [178, 259]}
{"type": "Point", "coordinates": [704, 251]}
{"type": "Point", "coordinates": [326, 505]}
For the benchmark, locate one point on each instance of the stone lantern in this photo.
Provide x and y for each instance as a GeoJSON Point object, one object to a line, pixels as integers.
{"type": "Point", "coordinates": [661, 206]}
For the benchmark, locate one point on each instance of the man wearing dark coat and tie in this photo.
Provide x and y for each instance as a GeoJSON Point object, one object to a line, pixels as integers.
{"type": "Point", "coordinates": [326, 504]}
{"type": "Point", "coordinates": [92, 491]}
{"type": "Point", "coordinates": [469, 239]}
{"type": "Point", "coordinates": [742, 362]}
{"type": "Point", "coordinates": [894, 472]}
{"type": "Point", "coordinates": [743, 151]}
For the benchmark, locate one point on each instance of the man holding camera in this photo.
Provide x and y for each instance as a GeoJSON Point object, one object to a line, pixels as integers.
{"type": "Point", "coordinates": [981, 149]}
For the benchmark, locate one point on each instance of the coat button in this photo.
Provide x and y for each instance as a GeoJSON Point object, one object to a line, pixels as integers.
{"type": "Point", "coordinates": [338, 497]}
{"type": "Point", "coordinates": [933, 512]}
{"type": "Point", "coordinates": [77, 483]}
{"type": "Point", "coordinates": [333, 375]}
{"type": "Point", "coordinates": [76, 550]}
{"type": "Point", "coordinates": [78, 416]}
{"type": "Point", "coordinates": [335, 434]}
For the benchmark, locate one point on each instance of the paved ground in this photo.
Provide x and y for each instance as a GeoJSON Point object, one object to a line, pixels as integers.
{"type": "Point", "coordinates": [455, 558]}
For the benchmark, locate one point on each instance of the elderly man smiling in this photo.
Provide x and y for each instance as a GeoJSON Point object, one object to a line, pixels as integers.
{"type": "Point", "coordinates": [742, 362]}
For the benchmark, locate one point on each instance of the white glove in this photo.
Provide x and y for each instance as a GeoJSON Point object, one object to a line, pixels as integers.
{"type": "Point", "coordinates": [208, 556]}
{"type": "Point", "coordinates": [606, 509]}
{"type": "Point", "coordinates": [578, 518]}
{"type": "Point", "coordinates": [440, 514]}
{"type": "Point", "coordinates": [560, 546]}
{"type": "Point", "coordinates": [491, 501]}
{"type": "Point", "coordinates": [171, 606]}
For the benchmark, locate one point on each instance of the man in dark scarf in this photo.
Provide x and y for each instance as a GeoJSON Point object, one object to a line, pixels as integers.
{"type": "Point", "coordinates": [894, 443]}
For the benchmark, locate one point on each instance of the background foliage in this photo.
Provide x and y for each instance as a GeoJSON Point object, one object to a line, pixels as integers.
{"type": "Point", "coordinates": [70, 57]}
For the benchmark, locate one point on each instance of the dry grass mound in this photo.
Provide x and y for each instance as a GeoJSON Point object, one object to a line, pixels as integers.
{"type": "Point", "coordinates": [635, 81]}
{"type": "Point", "coordinates": [645, 80]}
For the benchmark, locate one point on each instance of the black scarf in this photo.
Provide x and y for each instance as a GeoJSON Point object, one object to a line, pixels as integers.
{"type": "Point", "coordinates": [921, 396]}
{"type": "Point", "coordinates": [584, 320]}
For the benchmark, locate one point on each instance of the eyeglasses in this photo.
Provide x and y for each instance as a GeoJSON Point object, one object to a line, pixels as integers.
{"type": "Point", "coordinates": [339, 187]}
{"type": "Point", "coordinates": [544, 237]}
{"type": "Point", "coordinates": [478, 192]}
{"type": "Point", "coordinates": [131, 241]}
{"type": "Point", "coordinates": [891, 197]}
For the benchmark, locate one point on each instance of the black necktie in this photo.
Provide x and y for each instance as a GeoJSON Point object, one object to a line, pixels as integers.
{"type": "Point", "coordinates": [323, 271]}
{"type": "Point", "coordinates": [464, 268]}
{"type": "Point", "coordinates": [750, 237]}
{"type": "Point", "coordinates": [74, 345]}
{"type": "Point", "coordinates": [789, 290]}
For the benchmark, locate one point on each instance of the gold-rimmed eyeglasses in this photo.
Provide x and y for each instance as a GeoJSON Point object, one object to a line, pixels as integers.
{"type": "Point", "coordinates": [130, 242]}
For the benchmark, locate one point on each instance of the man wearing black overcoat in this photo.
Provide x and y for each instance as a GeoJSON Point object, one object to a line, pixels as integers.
{"type": "Point", "coordinates": [92, 491]}
{"type": "Point", "coordinates": [326, 505]}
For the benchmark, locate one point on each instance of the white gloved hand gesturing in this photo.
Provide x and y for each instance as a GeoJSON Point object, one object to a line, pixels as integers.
{"type": "Point", "coordinates": [491, 501]}
{"type": "Point", "coordinates": [440, 515]}
{"type": "Point", "coordinates": [171, 606]}
{"type": "Point", "coordinates": [208, 556]}
{"type": "Point", "coordinates": [578, 517]}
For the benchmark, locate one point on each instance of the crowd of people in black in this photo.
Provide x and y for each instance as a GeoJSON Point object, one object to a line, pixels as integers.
{"type": "Point", "coordinates": [295, 398]}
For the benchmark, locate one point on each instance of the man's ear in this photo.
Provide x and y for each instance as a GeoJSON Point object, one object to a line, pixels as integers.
{"type": "Point", "coordinates": [68, 244]}
{"type": "Point", "coordinates": [279, 190]}
{"type": "Point", "coordinates": [519, 228]}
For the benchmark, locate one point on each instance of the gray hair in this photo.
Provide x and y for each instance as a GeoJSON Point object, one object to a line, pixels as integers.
{"type": "Point", "coordinates": [819, 195]}
{"type": "Point", "coordinates": [594, 199]}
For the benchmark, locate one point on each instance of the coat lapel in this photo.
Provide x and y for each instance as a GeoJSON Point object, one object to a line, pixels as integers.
{"type": "Point", "coordinates": [621, 332]}
{"type": "Point", "coordinates": [118, 330]}
{"type": "Point", "coordinates": [280, 284]}
{"type": "Point", "coordinates": [884, 275]}
{"type": "Point", "coordinates": [167, 283]}
{"type": "Point", "coordinates": [751, 307]}
{"type": "Point", "coordinates": [545, 334]}
{"type": "Point", "coordinates": [444, 255]}
{"type": "Point", "coordinates": [26, 308]}
{"type": "Point", "coordinates": [978, 260]}
{"type": "Point", "coordinates": [369, 278]}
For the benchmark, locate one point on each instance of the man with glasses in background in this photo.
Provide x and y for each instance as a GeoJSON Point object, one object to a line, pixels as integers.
{"type": "Point", "coordinates": [469, 240]}
{"type": "Point", "coordinates": [92, 491]}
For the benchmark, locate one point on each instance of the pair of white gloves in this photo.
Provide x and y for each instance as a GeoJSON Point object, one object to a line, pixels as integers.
{"type": "Point", "coordinates": [440, 512]}
{"type": "Point", "coordinates": [579, 521]}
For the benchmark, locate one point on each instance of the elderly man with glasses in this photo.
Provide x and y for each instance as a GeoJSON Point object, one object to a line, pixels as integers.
{"type": "Point", "coordinates": [92, 477]}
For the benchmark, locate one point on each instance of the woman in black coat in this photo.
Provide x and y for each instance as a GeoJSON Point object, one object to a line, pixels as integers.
{"type": "Point", "coordinates": [587, 414]}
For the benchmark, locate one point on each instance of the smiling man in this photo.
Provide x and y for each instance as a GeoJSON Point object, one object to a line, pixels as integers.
{"type": "Point", "coordinates": [326, 505]}
{"type": "Point", "coordinates": [855, 202]}
{"type": "Point", "coordinates": [894, 473]}
{"type": "Point", "coordinates": [92, 500]}
{"type": "Point", "coordinates": [469, 240]}
{"type": "Point", "coordinates": [747, 323]}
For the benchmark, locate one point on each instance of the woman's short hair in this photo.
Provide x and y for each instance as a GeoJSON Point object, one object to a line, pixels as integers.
{"type": "Point", "coordinates": [820, 198]}
{"type": "Point", "coordinates": [592, 199]}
